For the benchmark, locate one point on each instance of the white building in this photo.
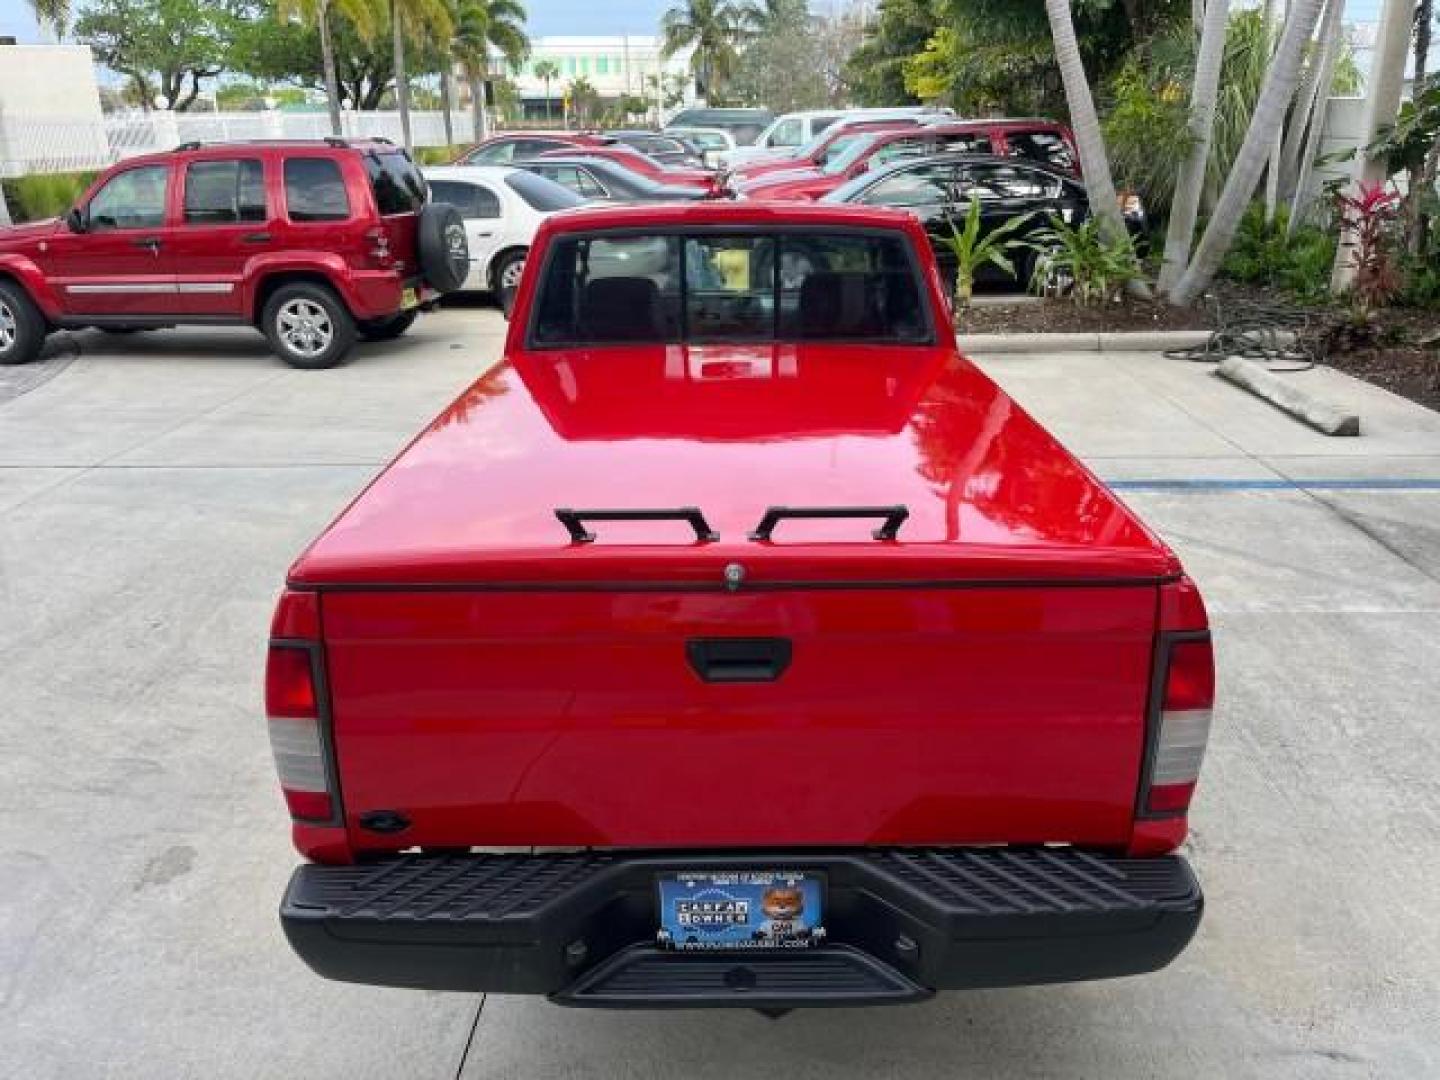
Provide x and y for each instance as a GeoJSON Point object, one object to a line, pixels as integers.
{"type": "Point", "coordinates": [50, 119]}
{"type": "Point", "coordinates": [617, 65]}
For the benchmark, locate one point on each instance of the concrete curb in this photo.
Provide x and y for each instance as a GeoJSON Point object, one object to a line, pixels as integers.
{"type": "Point", "coordinates": [1106, 341]}
{"type": "Point", "coordinates": [1287, 397]}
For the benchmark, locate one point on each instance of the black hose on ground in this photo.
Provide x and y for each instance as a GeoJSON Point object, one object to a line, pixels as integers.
{"type": "Point", "coordinates": [1270, 333]}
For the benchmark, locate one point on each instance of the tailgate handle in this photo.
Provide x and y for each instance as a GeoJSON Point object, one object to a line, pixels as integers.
{"type": "Point", "coordinates": [733, 660]}
{"type": "Point", "coordinates": [574, 520]}
{"type": "Point", "coordinates": [894, 517]}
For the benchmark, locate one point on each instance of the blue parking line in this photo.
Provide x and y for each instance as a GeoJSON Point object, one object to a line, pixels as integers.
{"type": "Point", "coordinates": [1279, 484]}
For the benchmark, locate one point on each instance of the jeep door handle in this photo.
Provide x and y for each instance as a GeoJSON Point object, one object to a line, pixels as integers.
{"type": "Point", "coordinates": [256, 238]}
{"type": "Point", "coordinates": [151, 242]}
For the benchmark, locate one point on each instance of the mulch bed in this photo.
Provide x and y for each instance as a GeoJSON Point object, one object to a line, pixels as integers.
{"type": "Point", "coordinates": [1402, 357]}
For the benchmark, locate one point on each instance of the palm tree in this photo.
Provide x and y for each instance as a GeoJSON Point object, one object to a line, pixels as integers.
{"type": "Point", "coordinates": [1094, 162]}
{"type": "Point", "coordinates": [583, 97]}
{"type": "Point", "coordinates": [546, 70]}
{"type": "Point", "coordinates": [1186, 204]}
{"type": "Point", "coordinates": [316, 13]}
{"type": "Point", "coordinates": [481, 25]}
{"type": "Point", "coordinates": [52, 16]}
{"type": "Point", "coordinates": [1275, 95]}
{"type": "Point", "coordinates": [714, 29]}
{"type": "Point", "coordinates": [423, 19]}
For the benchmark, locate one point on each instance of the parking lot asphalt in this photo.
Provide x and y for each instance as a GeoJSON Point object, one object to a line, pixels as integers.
{"type": "Point", "coordinates": [153, 491]}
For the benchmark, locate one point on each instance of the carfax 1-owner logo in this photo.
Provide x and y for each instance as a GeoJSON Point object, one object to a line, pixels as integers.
{"type": "Point", "coordinates": [739, 909]}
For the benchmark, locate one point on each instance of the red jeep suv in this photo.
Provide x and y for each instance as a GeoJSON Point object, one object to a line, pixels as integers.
{"type": "Point", "coordinates": [315, 244]}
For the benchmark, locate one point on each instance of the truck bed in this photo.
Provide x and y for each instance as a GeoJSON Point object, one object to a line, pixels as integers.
{"type": "Point", "coordinates": [981, 679]}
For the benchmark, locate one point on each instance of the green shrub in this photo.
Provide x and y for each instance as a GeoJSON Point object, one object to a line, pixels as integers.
{"type": "Point", "coordinates": [33, 198]}
{"type": "Point", "coordinates": [1080, 259]}
{"type": "Point", "coordinates": [439, 155]}
{"type": "Point", "coordinates": [1262, 254]}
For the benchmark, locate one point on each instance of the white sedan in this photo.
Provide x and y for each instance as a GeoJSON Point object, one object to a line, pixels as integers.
{"type": "Point", "coordinates": [502, 208]}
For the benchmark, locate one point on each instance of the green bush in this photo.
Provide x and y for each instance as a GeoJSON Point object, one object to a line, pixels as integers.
{"type": "Point", "coordinates": [1262, 254]}
{"type": "Point", "coordinates": [1081, 260]}
{"type": "Point", "coordinates": [33, 198]}
{"type": "Point", "coordinates": [439, 155]}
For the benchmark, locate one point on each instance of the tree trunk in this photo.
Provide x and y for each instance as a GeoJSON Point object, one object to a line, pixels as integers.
{"type": "Point", "coordinates": [5, 220]}
{"type": "Point", "coordinates": [1382, 104]}
{"type": "Point", "coordinates": [402, 87]}
{"type": "Point", "coordinates": [477, 107]}
{"type": "Point", "coordinates": [1275, 95]}
{"type": "Point", "coordinates": [1272, 169]}
{"type": "Point", "coordinates": [1186, 204]}
{"type": "Point", "coordinates": [484, 110]}
{"type": "Point", "coordinates": [1309, 102]}
{"type": "Point", "coordinates": [445, 106]}
{"type": "Point", "coordinates": [327, 62]}
{"type": "Point", "coordinates": [1417, 224]}
{"type": "Point", "coordinates": [1086, 124]}
{"type": "Point", "coordinates": [1330, 48]}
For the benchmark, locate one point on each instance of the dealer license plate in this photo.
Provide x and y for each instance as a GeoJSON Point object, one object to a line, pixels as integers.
{"type": "Point", "coordinates": [741, 909]}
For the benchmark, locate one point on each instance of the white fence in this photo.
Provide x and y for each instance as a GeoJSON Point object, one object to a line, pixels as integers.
{"type": "Point", "coordinates": [40, 144]}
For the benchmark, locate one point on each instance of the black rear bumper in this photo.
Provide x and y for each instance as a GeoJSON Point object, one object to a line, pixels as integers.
{"type": "Point", "coordinates": [901, 924]}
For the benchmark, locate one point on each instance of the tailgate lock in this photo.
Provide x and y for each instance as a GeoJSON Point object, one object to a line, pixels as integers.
{"type": "Point", "coordinates": [734, 576]}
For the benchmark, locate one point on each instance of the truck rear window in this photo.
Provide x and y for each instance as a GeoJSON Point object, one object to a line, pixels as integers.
{"type": "Point", "coordinates": [853, 287]}
{"type": "Point", "coordinates": [399, 188]}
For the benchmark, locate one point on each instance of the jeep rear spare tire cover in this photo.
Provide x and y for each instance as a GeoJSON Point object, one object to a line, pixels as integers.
{"type": "Point", "coordinates": [444, 250]}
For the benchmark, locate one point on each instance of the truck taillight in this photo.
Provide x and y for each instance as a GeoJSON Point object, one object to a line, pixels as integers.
{"type": "Point", "coordinates": [1184, 725]}
{"type": "Point", "coordinates": [293, 707]}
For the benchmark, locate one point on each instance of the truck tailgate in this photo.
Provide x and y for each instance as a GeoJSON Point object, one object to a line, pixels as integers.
{"type": "Point", "coordinates": [911, 714]}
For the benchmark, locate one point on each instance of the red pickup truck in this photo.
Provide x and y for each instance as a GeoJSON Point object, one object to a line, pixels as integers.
{"type": "Point", "coordinates": [736, 641]}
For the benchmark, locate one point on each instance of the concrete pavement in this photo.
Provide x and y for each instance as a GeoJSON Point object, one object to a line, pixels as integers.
{"type": "Point", "coordinates": [152, 493]}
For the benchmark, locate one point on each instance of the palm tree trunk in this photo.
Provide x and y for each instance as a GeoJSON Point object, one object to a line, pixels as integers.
{"type": "Point", "coordinates": [1417, 223]}
{"type": "Point", "coordinates": [484, 110]}
{"type": "Point", "coordinates": [402, 86]}
{"type": "Point", "coordinates": [1305, 101]}
{"type": "Point", "coordinates": [1275, 95]}
{"type": "Point", "coordinates": [1272, 170]}
{"type": "Point", "coordinates": [327, 59]}
{"type": "Point", "coordinates": [1180, 233]}
{"type": "Point", "coordinates": [1094, 162]}
{"type": "Point", "coordinates": [547, 101]}
{"type": "Point", "coordinates": [445, 104]}
{"type": "Point", "coordinates": [1305, 160]}
{"type": "Point", "coordinates": [1382, 103]}
{"type": "Point", "coordinates": [477, 107]}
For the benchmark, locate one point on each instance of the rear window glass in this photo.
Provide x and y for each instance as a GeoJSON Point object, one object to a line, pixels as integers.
{"type": "Point", "coordinates": [399, 188]}
{"type": "Point", "coordinates": [224, 192]}
{"type": "Point", "coordinates": [472, 200]}
{"type": "Point", "coordinates": [315, 190]}
{"type": "Point", "coordinates": [542, 194]}
{"type": "Point", "coordinates": [730, 287]}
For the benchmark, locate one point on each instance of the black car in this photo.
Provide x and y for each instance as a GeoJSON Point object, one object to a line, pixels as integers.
{"type": "Point", "coordinates": [597, 178]}
{"type": "Point", "coordinates": [669, 149]}
{"type": "Point", "coordinates": [939, 189]}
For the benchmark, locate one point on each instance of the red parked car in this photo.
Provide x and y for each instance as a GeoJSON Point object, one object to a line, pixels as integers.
{"type": "Point", "coordinates": [792, 661]}
{"type": "Point", "coordinates": [1034, 140]}
{"type": "Point", "coordinates": [314, 244]}
{"type": "Point", "coordinates": [829, 144]}
{"type": "Point", "coordinates": [641, 163]}
{"type": "Point", "coordinates": [512, 146]}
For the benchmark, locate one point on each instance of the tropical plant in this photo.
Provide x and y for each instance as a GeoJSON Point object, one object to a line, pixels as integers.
{"type": "Point", "coordinates": [44, 195]}
{"type": "Point", "coordinates": [1149, 135]}
{"type": "Point", "coordinates": [875, 72]}
{"type": "Point", "coordinates": [1367, 216]}
{"type": "Point", "coordinates": [52, 16]}
{"type": "Point", "coordinates": [1088, 138]}
{"type": "Point", "coordinates": [317, 13]}
{"type": "Point", "coordinates": [973, 252]}
{"type": "Point", "coordinates": [546, 71]}
{"type": "Point", "coordinates": [481, 25]}
{"type": "Point", "coordinates": [1276, 93]}
{"type": "Point", "coordinates": [1082, 260]}
{"type": "Point", "coordinates": [1270, 253]}
{"type": "Point", "coordinates": [583, 98]}
{"type": "Point", "coordinates": [1412, 145]}
{"type": "Point", "coordinates": [783, 66]}
{"type": "Point", "coordinates": [714, 29]}
{"type": "Point", "coordinates": [1190, 177]}
{"type": "Point", "coordinates": [422, 21]}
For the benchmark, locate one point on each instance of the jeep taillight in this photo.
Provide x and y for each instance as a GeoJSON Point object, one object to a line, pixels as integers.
{"type": "Point", "coordinates": [1183, 724]}
{"type": "Point", "coordinates": [379, 246]}
{"type": "Point", "coordinates": [293, 705]}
